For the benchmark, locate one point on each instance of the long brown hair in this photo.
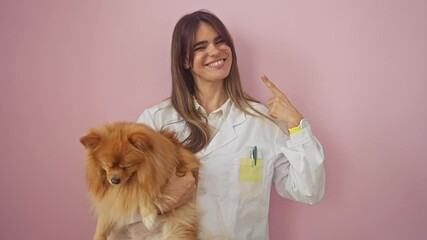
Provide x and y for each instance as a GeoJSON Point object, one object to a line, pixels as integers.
{"type": "Point", "coordinates": [183, 85]}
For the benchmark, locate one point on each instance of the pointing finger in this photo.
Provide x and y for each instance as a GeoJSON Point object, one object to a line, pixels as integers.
{"type": "Point", "coordinates": [271, 86]}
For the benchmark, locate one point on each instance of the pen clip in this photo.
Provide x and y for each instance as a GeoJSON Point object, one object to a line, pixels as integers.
{"type": "Point", "coordinates": [254, 155]}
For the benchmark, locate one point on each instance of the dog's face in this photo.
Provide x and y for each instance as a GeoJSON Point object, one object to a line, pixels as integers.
{"type": "Point", "coordinates": [119, 162]}
{"type": "Point", "coordinates": [120, 151]}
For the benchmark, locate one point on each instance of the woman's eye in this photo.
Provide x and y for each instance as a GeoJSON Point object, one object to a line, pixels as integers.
{"type": "Point", "coordinates": [219, 41]}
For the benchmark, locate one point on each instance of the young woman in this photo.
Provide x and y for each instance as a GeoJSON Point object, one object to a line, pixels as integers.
{"type": "Point", "coordinates": [244, 147]}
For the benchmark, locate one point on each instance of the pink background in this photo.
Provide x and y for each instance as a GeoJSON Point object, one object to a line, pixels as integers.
{"type": "Point", "coordinates": [357, 69]}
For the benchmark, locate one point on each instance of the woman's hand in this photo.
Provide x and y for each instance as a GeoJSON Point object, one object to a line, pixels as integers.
{"type": "Point", "coordinates": [279, 106]}
{"type": "Point", "coordinates": [179, 190]}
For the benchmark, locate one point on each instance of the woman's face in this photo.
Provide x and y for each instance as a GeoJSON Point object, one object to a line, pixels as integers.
{"type": "Point", "coordinates": [212, 56]}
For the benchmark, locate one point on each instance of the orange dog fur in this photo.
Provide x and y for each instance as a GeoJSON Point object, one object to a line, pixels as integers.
{"type": "Point", "coordinates": [127, 169]}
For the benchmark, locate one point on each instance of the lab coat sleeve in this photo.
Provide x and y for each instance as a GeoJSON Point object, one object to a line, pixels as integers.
{"type": "Point", "coordinates": [146, 118]}
{"type": "Point", "coordinates": [299, 171]}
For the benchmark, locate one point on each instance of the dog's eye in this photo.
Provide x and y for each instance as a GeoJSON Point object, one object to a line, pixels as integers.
{"type": "Point", "coordinates": [126, 165]}
{"type": "Point", "coordinates": [106, 164]}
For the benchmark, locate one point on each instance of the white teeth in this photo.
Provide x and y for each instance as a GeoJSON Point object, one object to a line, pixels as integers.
{"type": "Point", "coordinates": [217, 63]}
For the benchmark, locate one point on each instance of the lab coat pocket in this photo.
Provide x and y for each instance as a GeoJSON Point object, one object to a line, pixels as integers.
{"type": "Point", "coordinates": [249, 177]}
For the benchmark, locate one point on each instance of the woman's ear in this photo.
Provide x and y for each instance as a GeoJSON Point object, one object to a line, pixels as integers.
{"type": "Point", "coordinates": [187, 64]}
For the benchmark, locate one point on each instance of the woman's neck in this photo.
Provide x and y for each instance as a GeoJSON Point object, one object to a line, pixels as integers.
{"type": "Point", "coordinates": [211, 97]}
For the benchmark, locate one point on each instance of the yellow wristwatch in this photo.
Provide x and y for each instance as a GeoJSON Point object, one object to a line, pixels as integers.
{"type": "Point", "coordinates": [302, 124]}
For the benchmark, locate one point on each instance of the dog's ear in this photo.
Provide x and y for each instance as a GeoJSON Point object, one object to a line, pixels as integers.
{"type": "Point", "coordinates": [169, 135]}
{"type": "Point", "coordinates": [140, 141]}
{"type": "Point", "coordinates": [90, 141]}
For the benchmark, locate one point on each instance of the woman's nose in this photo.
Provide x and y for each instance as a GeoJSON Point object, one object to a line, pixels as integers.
{"type": "Point", "coordinates": [213, 50]}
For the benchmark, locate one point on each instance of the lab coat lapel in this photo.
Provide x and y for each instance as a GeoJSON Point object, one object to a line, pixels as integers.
{"type": "Point", "coordinates": [226, 133]}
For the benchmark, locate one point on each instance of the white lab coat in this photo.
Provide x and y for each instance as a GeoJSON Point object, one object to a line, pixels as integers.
{"type": "Point", "coordinates": [234, 194]}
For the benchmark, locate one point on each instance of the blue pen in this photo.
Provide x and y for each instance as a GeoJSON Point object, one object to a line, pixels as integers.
{"type": "Point", "coordinates": [254, 154]}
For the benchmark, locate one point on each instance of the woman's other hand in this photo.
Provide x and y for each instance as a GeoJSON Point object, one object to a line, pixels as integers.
{"type": "Point", "coordinates": [279, 106]}
{"type": "Point", "coordinates": [179, 190]}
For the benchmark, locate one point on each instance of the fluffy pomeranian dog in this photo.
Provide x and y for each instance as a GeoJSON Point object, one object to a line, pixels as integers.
{"type": "Point", "coordinates": [127, 169]}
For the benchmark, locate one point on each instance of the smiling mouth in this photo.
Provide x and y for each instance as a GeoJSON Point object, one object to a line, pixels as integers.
{"type": "Point", "coordinates": [216, 63]}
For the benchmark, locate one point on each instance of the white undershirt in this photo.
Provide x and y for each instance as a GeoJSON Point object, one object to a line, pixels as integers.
{"type": "Point", "coordinates": [216, 117]}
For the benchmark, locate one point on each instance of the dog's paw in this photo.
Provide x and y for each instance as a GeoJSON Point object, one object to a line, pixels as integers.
{"type": "Point", "coordinates": [149, 221]}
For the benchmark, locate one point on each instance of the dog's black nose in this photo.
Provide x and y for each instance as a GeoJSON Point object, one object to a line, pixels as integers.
{"type": "Point", "coordinates": [115, 180]}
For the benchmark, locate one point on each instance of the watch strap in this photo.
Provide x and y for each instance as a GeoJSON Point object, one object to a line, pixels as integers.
{"type": "Point", "coordinates": [297, 128]}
